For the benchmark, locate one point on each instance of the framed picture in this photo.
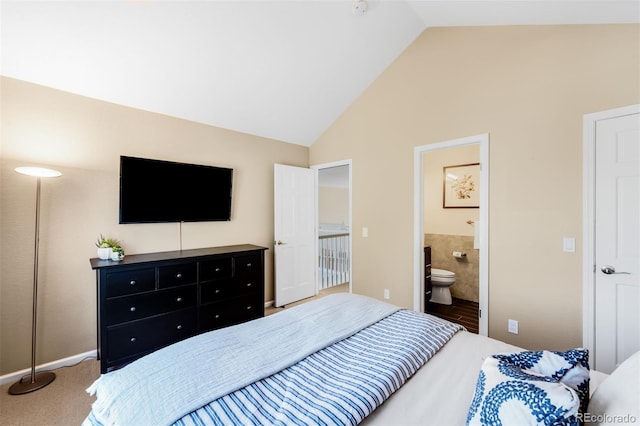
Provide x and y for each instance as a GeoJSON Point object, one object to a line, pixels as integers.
{"type": "Point", "coordinates": [461, 186]}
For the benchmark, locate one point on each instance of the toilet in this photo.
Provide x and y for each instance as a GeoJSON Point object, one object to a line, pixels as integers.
{"type": "Point", "coordinates": [441, 280]}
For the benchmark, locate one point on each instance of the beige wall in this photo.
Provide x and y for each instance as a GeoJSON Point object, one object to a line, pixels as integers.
{"type": "Point", "coordinates": [84, 138]}
{"type": "Point", "coordinates": [438, 220]}
{"type": "Point", "coordinates": [333, 205]}
{"type": "Point", "coordinates": [529, 88]}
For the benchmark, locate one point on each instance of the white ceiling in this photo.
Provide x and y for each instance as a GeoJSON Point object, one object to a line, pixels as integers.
{"type": "Point", "coordinates": [279, 69]}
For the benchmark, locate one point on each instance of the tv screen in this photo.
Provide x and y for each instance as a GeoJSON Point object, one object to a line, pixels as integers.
{"type": "Point", "coordinates": [165, 191]}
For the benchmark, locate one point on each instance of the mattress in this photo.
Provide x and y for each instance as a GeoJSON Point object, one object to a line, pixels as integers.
{"type": "Point", "coordinates": [438, 393]}
{"type": "Point", "coordinates": [441, 391]}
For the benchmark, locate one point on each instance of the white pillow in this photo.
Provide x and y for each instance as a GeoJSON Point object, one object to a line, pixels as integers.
{"type": "Point", "coordinates": [530, 388]}
{"type": "Point", "coordinates": [617, 399]}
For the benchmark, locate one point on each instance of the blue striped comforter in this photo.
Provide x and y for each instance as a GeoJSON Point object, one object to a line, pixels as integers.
{"type": "Point", "coordinates": [331, 361]}
{"type": "Point", "coordinates": [338, 385]}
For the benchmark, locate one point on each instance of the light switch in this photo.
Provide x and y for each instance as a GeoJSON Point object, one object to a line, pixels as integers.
{"type": "Point", "coordinates": [365, 232]}
{"type": "Point", "coordinates": [569, 244]}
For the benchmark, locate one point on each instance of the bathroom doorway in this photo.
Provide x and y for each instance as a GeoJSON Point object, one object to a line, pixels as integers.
{"type": "Point", "coordinates": [454, 225]}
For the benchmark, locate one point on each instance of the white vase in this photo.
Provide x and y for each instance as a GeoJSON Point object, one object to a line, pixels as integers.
{"type": "Point", "coordinates": [104, 253]}
{"type": "Point", "coordinates": [116, 255]}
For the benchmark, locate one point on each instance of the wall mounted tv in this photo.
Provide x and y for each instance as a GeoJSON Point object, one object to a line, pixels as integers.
{"type": "Point", "coordinates": [154, 191]}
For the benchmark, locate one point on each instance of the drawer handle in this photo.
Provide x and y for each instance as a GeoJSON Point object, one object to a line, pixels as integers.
{"type": "Point", "coordinates": [217, 316]}
{"type": "Point", "coordinates": [217, 269]}
{"type": "Point", "coordinates": [249, 284]}
{"type": "Point", "coordinates": [179, 327]}
{"type": "Point", "coordinates": [133, 340]}
{"type": "Point", "coordinates": [179, 299]}
{"type": "Point", "coordinates": [249, 308]}
{"type": "Point", "coordinates": [217, 291]}
{"type": "Point", "coordinates": [249, 265]}
{"type": "Point", "coordinates": [178, 276]}
{"type": "Point", "coordinates": [132, 282]}
{"type": "Point", "coordinates": [132, 309]}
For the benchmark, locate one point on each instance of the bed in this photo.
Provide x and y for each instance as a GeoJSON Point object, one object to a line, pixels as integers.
{"type": "Point", "coordinates": [346, 359]}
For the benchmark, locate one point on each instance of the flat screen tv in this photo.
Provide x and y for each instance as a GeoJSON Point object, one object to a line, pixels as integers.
{"type": "Point", "coordinates": [154, 191]}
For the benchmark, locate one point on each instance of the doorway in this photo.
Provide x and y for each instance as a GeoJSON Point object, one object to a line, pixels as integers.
{"type": "Point", "coordinates": [334, 227]}
{"type": "Point", "coordinates": [480, 224]}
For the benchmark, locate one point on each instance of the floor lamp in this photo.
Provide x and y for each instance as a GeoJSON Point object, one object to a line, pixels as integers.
{"type": "Point", "coordinates": [35, 381]}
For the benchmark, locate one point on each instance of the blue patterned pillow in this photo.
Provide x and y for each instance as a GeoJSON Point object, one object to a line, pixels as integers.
{"type": "Point", "coordinates": [530, 388]}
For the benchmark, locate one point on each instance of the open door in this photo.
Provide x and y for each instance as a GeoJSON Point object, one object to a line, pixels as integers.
{"type": "Point", "coordinates": [294, 233]}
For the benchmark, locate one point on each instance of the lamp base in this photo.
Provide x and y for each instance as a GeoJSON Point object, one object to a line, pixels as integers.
{"type": "Point", "coordinates": [26, 385]}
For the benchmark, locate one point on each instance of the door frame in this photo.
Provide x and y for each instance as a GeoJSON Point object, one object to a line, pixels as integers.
{"type": "Point", "coordinates": [317, 168]}
{"type": "Point", "coordinates": [418, 221]}
{"type": "Point", "coordinates": [589, 221]}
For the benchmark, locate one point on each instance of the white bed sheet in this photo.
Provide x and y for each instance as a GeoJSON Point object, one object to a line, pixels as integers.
{"type": "Point", "coordinates": [440, 392]}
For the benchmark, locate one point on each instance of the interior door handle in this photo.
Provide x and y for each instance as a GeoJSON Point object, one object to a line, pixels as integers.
{"type": "Point", "coordinates": [610, 270]}
{"type": "Point", "coordinates": [279, 243]}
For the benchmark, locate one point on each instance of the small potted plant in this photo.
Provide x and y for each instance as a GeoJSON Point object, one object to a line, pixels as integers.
{"type": "Point", "coordinates": [105, 247]}
{"type": "Point", "coordinates": [117, 253]}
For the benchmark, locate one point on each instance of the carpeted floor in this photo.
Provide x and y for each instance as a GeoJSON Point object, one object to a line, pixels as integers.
{"type": "Point", "coordinates": [63, 402]}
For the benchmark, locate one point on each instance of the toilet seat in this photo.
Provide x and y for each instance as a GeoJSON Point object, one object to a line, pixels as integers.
{"type": "Point", "coordinates": [442, 273]}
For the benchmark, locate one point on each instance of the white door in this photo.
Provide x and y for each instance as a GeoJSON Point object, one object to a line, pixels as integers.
{"type": "Point", "coordinates": [617, 240]}
{"type": "Point", "coordinates": [294, 233]}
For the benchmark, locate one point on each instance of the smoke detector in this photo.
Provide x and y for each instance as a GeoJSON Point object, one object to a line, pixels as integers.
{"type": "Point", "coordinates": [359, 7]}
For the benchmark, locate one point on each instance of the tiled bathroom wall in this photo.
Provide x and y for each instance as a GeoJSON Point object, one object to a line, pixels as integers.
{"type": "Point", "coordinates": [466, 269]}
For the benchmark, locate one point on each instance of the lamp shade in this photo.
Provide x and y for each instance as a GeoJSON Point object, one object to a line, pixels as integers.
{"type": "Point", "coordinates": [38, 171]}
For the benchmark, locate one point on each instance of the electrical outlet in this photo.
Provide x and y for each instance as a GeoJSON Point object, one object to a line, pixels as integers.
{"type": "Point", "coordinates": [513, 326]}
{"type": "Point", "coordinates": [386, 293]}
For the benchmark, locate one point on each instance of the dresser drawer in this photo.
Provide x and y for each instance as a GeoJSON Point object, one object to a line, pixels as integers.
{"type": "Point", "coordinates": [176, 275]}
{"type": "Point", "coordinates": [130, 308]}
{"type": "Point", "coordinates": [215, 269]}
{"type": "Point", "coordinates": [229, 312]}
{"type": "Point", "coordinates": [248, 266]}
{"type": "Point", "coordinates": [130, 282]}
{"type": "Point", "coordinates": [150, 334]}
{"type": "Point", "coordinates": [249, 285]}
{"type": "Point", "coordinates": [215, 291]}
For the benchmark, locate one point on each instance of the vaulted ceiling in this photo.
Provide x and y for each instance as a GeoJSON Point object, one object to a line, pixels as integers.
{"type": "Point", "coordinates": [278, 69]}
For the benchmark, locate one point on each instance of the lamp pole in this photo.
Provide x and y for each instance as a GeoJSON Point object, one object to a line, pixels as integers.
{"type": "Point", "coordinates": [35, 380]}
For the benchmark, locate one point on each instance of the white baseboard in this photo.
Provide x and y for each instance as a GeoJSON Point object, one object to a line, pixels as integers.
{"type": "Point", "coordinates": [65, 362]}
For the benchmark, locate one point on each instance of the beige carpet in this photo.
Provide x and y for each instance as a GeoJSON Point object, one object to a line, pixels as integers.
{"type": "Point", "coordinates": [63, 402]}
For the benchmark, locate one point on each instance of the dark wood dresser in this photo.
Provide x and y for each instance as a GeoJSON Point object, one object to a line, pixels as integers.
{"type": "Point", "coordinates": [148, 301]}
{"type": "Point", "coordinates": [427, 276]}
